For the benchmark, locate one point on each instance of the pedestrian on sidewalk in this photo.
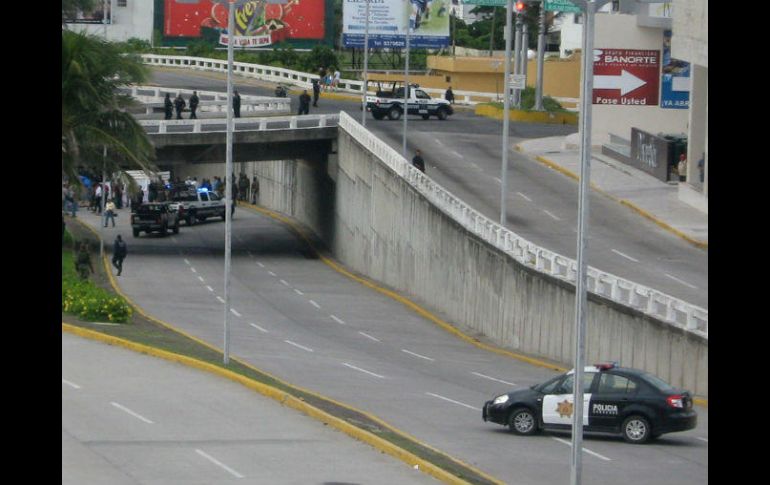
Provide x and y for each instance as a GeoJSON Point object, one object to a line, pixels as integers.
{"type": "Point", "coordinates": [304, 103]}
{"type": "Point", "coordinates": [119, 251]}
{"type": "Point", "coordinates": [109, 213]}
{"type": "Point", "coordinates": [194, 104]}
{"type": "Point", "coordinates": [168, 106]}
{"type": "Point", "coordinates": [418, 162]}
{"type": "Point", "coordinates": [179, 104]}
{"type": "Point", "coordinates": [682, 167]}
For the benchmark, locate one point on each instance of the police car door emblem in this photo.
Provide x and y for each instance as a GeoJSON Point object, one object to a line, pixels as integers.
{"type": "Point", "coordinates": [564, 408]}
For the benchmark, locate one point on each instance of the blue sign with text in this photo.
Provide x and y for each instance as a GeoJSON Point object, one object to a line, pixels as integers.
{"type": "Point", "coordinates": [675, 79]}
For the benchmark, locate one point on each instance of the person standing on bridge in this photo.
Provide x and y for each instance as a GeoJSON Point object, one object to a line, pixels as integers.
{"type": "Point", "coordinates": [316, 91]}
{"type": "Point", "coordinates": [169, 106]}
{"type": "Point", "coordinates": [237, 104]}
{"type": "Point", "coordinates": [418, 162]}
{"type": "Point", "coordinates": [304, 103]}
{"type": "Point", "coordinates": [179, 104]}
{"type": "Point", "coordinates": [194, 105]}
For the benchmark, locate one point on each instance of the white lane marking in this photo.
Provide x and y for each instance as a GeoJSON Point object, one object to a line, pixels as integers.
{"type": "Point", "coordinates": [201, 278]}
{"type": "Point", "coordinates": [271, 273]}
{"type": "Point", "coordinates": [193, 270]}
{"type": "Point", "coordinates": [260, 264]}
{"type": "Point", "coordinates": [453, 401]}
{"type": "Point", "coordinates": [551, 215]}
{"type": "Point", "coordinates": [458, 154]}
{"type": "Point", "coordinates": [497, 179]}
{"type": "Point", "coordinates": [417, 355]}
{"type": "Point", "coordinates": [235, 312]}
{"type": "Point", "coordinates": [209, 288]}
{"type": "Point", "coordinates": [220, 299]}
{"type": "Point", "coordinates": [702, 439]}
{"type": "Point", "coordinates": [71, 384]}
{"type": "Point", "coordinates": [584, 449]}
{"type": "Point", "coordinates": [362, 370]}
{"type": "Point", "coordinates": [680, 281]}
{"type": "Point", "coordinates": [285, 283]}
{"type": "Point", "coordinates": [258, 327]}
{"type": "Point", "coordinates": [186, 262]}
{"type": "Point", "coordinates": [136, 415]}
{"type": "Point", "coordinates": [219, 464]}
{"type": "Point", "coordinates": [437, 141]}
{"type": "Point", "coordinates": [315, 304]}
{"type": "Point", "coordinates": [524, 196]}
{"type": "Point", "coordinates": [624, 255]}
{"type": "Point", "coordinates": [493, 379]}
{"type": "Point", "coordinates": [337, 320]}
{"type": "Point", "coordinates": [298, 345]}
{"type": "Point", "coordinates": [369, 336]}
{"type": "Point", "coordinates": [298, 292]}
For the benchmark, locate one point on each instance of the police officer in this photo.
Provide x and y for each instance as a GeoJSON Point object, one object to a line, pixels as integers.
{"type": "Point", "coordinates": [169, 106]}
{"type": "Point", "coordinates": [237, 104]}
{"type": "Point", "coordinates": [316, 91]}
{"type": "Point", "coordinates": [304, 103]}
{"type": "Point", "coordinates": [119, 251]}
{"type": "Point", "coordinates": [83, 262]}
{"type": "Point", "coordinates": [194, 104]}
{"type": "Point", "coordinates": [179, 104]}
{"type": "Point", "coordinates": [418, 162]}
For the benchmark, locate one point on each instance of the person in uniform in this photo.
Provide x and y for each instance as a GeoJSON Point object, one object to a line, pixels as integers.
{"type": "Point", "coordinates": [169, 106]}
{"type": "Point", "coordinates": [304, 103]}
{"type": "Point", "coordinates": [83, 261]}
{"type": "Point", "coordinates": [237, 104]}
{"type": "Point", "coordinates": [194, 100]}
{"type": "Point", "coordinates": [119, 251]}
{"type": "Point", "coordinates": [418, 162]}
{"type": "Point", "coordinates": [179, 104]}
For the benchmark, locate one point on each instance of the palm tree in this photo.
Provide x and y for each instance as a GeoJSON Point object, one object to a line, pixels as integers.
{"type": "Point", "coordinates": [94, 110]}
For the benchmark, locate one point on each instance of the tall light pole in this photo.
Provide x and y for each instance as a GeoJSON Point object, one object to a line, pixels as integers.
{"type": "Point", "coordinates": [516, 56]}
{"type": "Point", "coordinates": [506, 110]}
{"type": "Point", "coordinates": [366, 65]}
{"type": "Point", "coordinates": [228, 171]}
{"type": "Point", "coordinates": [540, 59]}
{"type": "Point", "coordinates": [406, 86]}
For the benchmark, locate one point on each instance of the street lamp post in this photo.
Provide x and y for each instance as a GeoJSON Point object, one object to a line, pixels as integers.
{"type": "Point", "coordinates": [506, 111]}
{"type": "Point", "coordinates": [406, 88]}
{"type": "Point", "coordinates": [366, 65]}
{"type": "Point", "coordinates": [228, 178]}
{"type": "Point", "coordinates": [516, 56]}
{"type": "Point", "coordinates": [540, 59]}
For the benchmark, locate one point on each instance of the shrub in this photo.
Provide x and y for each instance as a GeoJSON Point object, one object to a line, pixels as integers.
{"type": "Point", "coordinates": [88, 301]}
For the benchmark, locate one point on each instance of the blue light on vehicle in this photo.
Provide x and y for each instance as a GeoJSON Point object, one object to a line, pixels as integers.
{"type": "Point", "coordinates": [203, 189]}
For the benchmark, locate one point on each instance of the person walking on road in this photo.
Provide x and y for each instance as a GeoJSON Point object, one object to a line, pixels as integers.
{"type": "Point", "coordinates": [254, 190]}
{"type": "Point", "coordinates": [237, 104]}
{"type": "Point", "coordinates": [418, 162]}
{"type": "Point", "coordinates": [450, 95]}
{"type": "Point", "coordinates": [119, 251]}
{"type": "Point", "coordinates": [109, 213]}
{"type": "Point", "coordinates": [194, 100]}
{"type": "Point", "coordinates": [304, 103]}
{"type": "Point", "coordinates": [179, 104]}
{"type": "Point", "coordinates": [316, 92]}
{"type": "Point", "coordinates": [168, 106]}
{"type": "Point", "coordinates": [83, 262]}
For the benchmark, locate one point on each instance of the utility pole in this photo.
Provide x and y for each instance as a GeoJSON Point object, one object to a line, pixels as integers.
{"type": "Point", "coordinates": [516, 56]}
{"type": "Point", "coordinates": [228, 171]}
{"type": "Point", "coordinates": [540, 59]}
{"type": "Point", "coordinates": [406, 88]}
{"type": "Point", "coordinates": [524, 51]}
{"type": "Point", "coordinates": [366, 65]}
{"type": "Point", "coordinates": [506, 111]}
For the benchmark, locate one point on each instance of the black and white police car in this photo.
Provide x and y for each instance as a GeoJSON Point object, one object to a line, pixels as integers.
{"type": "Point", "coordinates": [631, 402]}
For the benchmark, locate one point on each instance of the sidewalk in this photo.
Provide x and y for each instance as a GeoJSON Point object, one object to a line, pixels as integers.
{"type": "Point", "coordinates": [651, 198]}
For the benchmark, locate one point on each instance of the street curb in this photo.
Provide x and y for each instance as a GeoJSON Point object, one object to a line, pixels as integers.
{"type": "Point", "coordinates": [527, 116]}
{"type": "Point", "coordinates": [389, 448]}
{"type": "Point", "coordinates": [695, 242]}
{"type": "Point", "coordinates": [282, 397]}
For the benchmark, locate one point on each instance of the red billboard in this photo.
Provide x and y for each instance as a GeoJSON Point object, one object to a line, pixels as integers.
{"type": "Point", "coordinates": [626, 77]}
{"type": "Point", "coordinates": [265, 19]}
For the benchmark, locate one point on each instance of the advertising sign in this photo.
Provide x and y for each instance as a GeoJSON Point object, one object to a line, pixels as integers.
{"type": "Point", "coordinates": [427, 21]}
{"type": "Point", "coordinates": [258, 23]}
{"type": "Point", "coordinates": [626, 77]}
{"type": "Point", "coordinates": [675, 79]}
{"type": "Point", "coordinates": [650, 153]}
{"type": "Point", "coordinates": [561, 6]}
{"type": "Point", "coordinates": [92, 16]}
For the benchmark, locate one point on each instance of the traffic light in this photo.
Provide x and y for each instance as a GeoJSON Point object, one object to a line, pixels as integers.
{"type": "Point", "coordinates": [519, 7]}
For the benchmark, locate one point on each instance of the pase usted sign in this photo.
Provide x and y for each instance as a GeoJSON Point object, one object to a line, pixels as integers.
{"type": "Point", "coordinates": [626, 77]}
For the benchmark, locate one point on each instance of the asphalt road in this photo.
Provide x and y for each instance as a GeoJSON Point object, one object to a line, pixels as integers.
{"type": "Point", "coordinates": [163, 423]}
{"type": "Point", "coordinates": [301, 321]}
{"type": "Point", "coordinates": [463, 154]}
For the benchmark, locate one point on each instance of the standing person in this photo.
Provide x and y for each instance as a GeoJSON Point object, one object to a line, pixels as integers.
{"type": "Point", "coordinates": [83, 261]}
{"type": "Point", "coordinates": [243, 187]}
{"type": "Point", "coordinates": [254, 190]}
{"type": "Point", "coordinates": [179, 104]}
{"type": "Point", "coordinates": [701, 167]}
{"type": "Point", "coordinates": [304, 103]}
{"type": "Point", "coordinates": [316, 92]}
{"type": "Point", "coordinates": [109, 213]}
{"type": "Point", "coordinates": [418, 162]}
{"type": "Point", "coordinates": [682, 167]}
{"type": "Point", "coordinates": [73, 201]}
{"type": "Point", "coordinates": [168, 106]}
{"type": "Point", "coordinates": [336, 79]}
{"type": "Point", "coordinates": [237, 104]}
{"type": "Point", "coordinates": [194, 104]}
{"type": "Point", "coordinates": [322, 75]}
{"type": "Point", "coordinates": [449, 95]}
{"type": "Point", "coordinates": [119, 251]}
{"type": "Point", "coordinates": [98, 199]}
{"type": "Point", "coordinates": [117, 195]}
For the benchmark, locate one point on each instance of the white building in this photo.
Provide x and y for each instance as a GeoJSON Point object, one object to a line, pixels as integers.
{"type": "Point", "coordinates": [129, 18]}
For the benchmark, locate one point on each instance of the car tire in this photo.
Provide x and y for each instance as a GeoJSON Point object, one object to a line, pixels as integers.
{"type": "Point", "coordinates": [636, 429]}
{"type": "Point", "coordinates": [442, 114]}
{"type": "Point", "coordinates": [136, 232]}
{"type": "Point", "coordinates": [394, 113]}
{"type": "Point", "coordinates": [522, 421]}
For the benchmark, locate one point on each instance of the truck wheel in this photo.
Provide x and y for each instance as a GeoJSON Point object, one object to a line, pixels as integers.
{"type": "Point", "coordinates": [377, 115]}
{"type": "Point", "coordinates": [394, 113]}
{"type": "Point", "coordinates": [442, 114]}
{"type": "Point", "coordinates": [136, 232]}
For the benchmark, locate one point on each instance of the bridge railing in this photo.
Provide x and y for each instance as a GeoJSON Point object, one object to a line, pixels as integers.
{"type": "Point", "coordinates": [300, 79]}
{"type": "Point", "coordinates": [250, 124]}
{"type": "Point", "coordinates": [652, 302]}
{"type": "Point", "coordinates": [152, 97]}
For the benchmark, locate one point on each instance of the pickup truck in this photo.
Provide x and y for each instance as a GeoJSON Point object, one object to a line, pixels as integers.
{"type": "Point", "coordinates": [390, 103]}
{"type": "Point", "coordinates": [196, 205]}
{"type": "Point", "coordinates": [155, 217]}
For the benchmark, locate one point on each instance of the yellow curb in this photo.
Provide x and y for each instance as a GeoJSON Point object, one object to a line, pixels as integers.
{"type": "Point", "coordinates": [695, 242]}
{"type": "Point", "coordinates": [282, 397]}
{"type": "Point", "coordinates": [527, 116]}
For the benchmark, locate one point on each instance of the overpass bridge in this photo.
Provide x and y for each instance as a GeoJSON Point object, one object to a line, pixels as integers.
{"type": "Point", "coordinates": [386, 220]}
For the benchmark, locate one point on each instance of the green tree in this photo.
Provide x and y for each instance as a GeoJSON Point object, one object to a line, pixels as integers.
{"type": "Point", "coordinates": [94, 112]}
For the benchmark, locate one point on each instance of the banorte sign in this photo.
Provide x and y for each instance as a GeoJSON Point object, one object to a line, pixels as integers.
{"type": "Point", "coordinates": [626, 77]}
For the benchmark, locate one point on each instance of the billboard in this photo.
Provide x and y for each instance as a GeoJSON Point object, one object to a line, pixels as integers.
{"type": "Point", "coordinates": [94, 15]}
{"type": "Point", "coordinates": [675, 79]}
{"type": "Point", "coordinates": [626, 77]}
{"type": "Point", "coordinates": [427, 21]}
{"type": "Point", "coordinates": [258, 23]}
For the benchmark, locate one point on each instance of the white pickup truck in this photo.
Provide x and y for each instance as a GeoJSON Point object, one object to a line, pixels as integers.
{"type": "Point", "coordinates": [390, 103]}
{"type": "Point", "coordinates": [197, 205]}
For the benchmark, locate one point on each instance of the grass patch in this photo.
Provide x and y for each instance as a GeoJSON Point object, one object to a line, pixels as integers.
{"type": "Point", "coordinates": [87, 300]}
{"type": "Point", "coordinates": [550, 105]}
{"type": "Point", "coordinates": [147, 331]}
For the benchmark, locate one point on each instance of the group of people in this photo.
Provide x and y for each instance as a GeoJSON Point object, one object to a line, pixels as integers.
{"type": "Point", "coordinates": [681, 168]}
{"type": "Point", "coordinates": [179, 105]}
{"type": "Point", "coordinates": [327, 80]}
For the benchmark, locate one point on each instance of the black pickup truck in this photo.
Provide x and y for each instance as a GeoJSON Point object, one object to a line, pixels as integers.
{"type": "Point", "coordinates": [155, 217]}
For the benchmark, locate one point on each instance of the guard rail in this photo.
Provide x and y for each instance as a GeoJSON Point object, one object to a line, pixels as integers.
{"type": "Point", "coordinates": [153, 96]}
{"type": "Point", "coordinates": [262, 124]}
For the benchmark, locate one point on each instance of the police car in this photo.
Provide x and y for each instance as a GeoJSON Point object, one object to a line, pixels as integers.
{"type": "Point", "coordinates": [631, 402]}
